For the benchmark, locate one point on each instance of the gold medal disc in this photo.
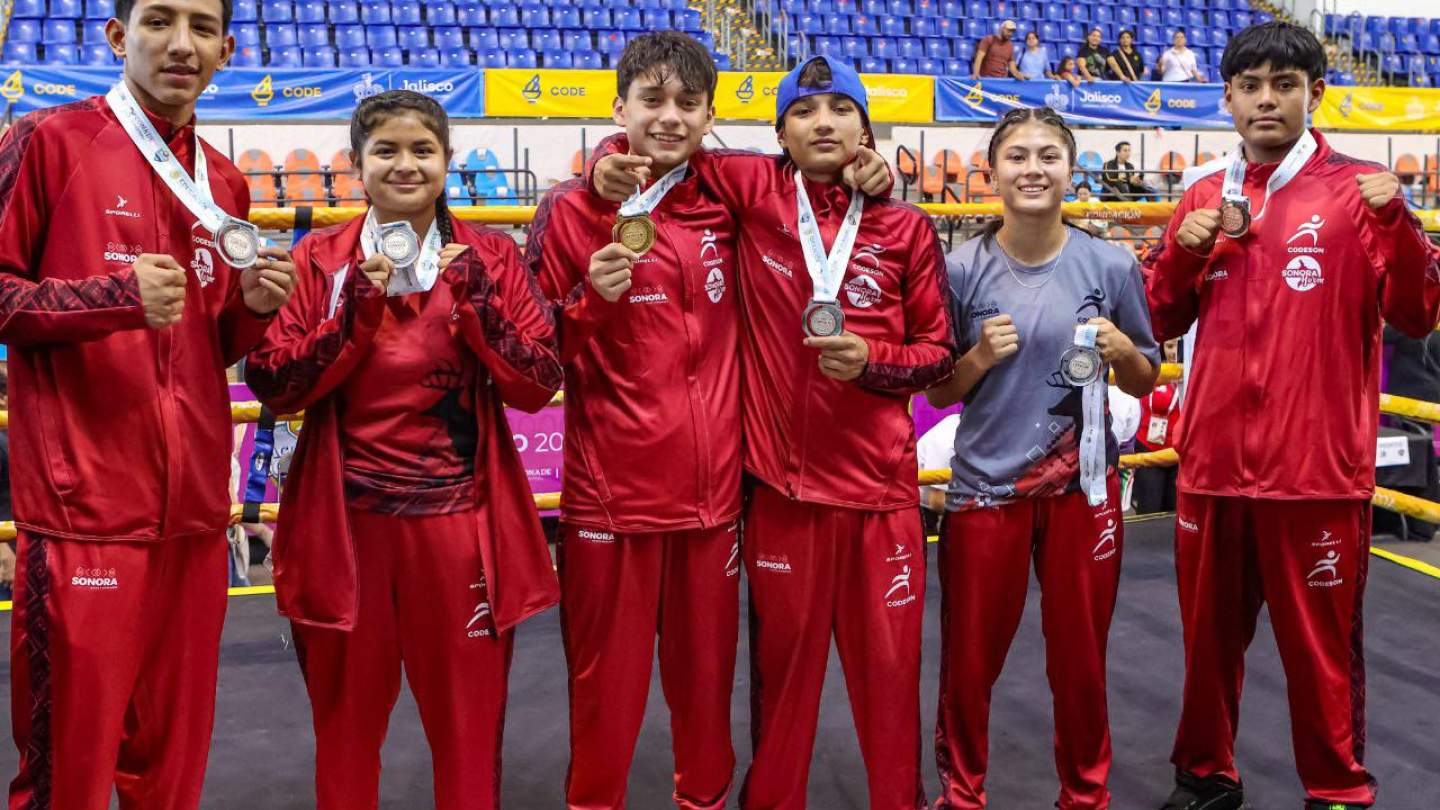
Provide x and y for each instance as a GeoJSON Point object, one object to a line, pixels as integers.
{"type": "Point", "coordinates": [635, 233]}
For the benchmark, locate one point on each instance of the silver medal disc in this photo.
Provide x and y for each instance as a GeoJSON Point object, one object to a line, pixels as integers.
{"type": "Point", "coordinates": [238, 242]}
{"type": "Point", "coordinates": [1080, 365]}
{"type": "Point", "coordinates": [399, 243]}
{"type": "Point", "coordinates": [824, 319]}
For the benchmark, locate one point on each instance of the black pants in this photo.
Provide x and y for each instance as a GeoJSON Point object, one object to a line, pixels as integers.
{"type": "Point", "coordinates": [1154, 490]}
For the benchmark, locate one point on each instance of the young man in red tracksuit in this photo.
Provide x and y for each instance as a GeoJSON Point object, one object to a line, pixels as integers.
{"type": "Point", "coordinates": [1289, 296]}
{"type": "Point", "coordinates": [833, 542]}
{"type": "Point", "coordinates": [122, 317]}
{"type": "Point", "coordinates": [651, 499]}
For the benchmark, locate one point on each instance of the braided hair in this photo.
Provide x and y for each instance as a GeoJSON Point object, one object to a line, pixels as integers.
{"type": "Point", "coordinates": [1013, 119]}
{"type": "Point", "coordinates": [376, 110]}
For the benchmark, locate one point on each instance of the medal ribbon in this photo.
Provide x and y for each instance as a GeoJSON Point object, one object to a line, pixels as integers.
{"type": "Point", "coordinates": [826, 270]}
{"type": "Point", "coordinates": [193, 193]}
{"type": "Point", "coordinates": [1234, 187]}
{"type": "Point", "coordinates": [420, 278]}
{"type": "Point", "coordinates": [1092, 436]}
{"type": "Point", "coordinates": [643, 202]}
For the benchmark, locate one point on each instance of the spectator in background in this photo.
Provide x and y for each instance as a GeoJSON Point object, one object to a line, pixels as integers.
{"type": "Point", "coordinates": [1126, 63]}
{"type": "Point", "coordinates": [1035, 62]}
{"type": "Point", "coordinates": [1067, 71]}
{"type": "Point", "coordinates": [1120, 180]}
{"type": "Point", "coordinates": [936, 451]}
{"type": "Point", "coordinates": [1091, 58]}
{"type": "Point", "coordinates": [1178, 64]}
{"type": "Point", "coordinates": [995, 55]}
{"type": "Point", "coordinates": [1154, 487]}
{"type": "Point", "coordinates": [1094, 227]}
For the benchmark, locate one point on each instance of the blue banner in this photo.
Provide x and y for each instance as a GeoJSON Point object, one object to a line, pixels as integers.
{"type": "Point", "coordinates": [1150, 104]}
{"type": "Point", "coordinates": [251, 93]}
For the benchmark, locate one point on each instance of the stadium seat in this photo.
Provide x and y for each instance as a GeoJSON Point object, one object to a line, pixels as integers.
{"type": "Point", "coordinates": [343, 12]}
{"type": "Point", "coordinates": [492, 58]}
{"type": "Point", "coordinates": [389, 57]}
{"type": "Point", "coordinates": [449, 37]}
{"type": "Point", "coordinates": [557, 58]}
{"type": "Point", "coordinates": [319, 57]}
{"type": "Point", "coordinates": [937, 48]}
{"type": "Point", "coordinates": [870, 64]}
{"type": "Point", "coordinates": [276, 11]}
{"type": "Point", "coordinates": [289, 56]}
{"type": "Point", "coordinates": [380, 36]}
{"type": "Point", "coordinates": [314, 35]}
{"type": "Point", "coordinates": [406, 12]}
{"type": "Point", "coordinates": [687, 20]}
{"type": "Point", "coordinates": [597, 18]}
{"type": "Point", "coordinates": [280, 36]}
{"type": "Point", "coordinates": [471, 14]}
{"type": "Point", "coordinates": [425, 57]}
{"type": "Point", "coordinates": [414, 37]}
{"type": "Point", "coordinates": [534, 16]}
{"type": "Point", "coordinates": [94, 9]}
{"type": "Point", "coordinates": [903, 65]}
{"type": "Point", "coordinates": [26, 31]}
{"type": "Point", "coordinates": [512, 38]}
{"type": "Point", "coordinates": [19, 53]}
{"type": "Point", "coordinates": [66, 9]}
{"type": "Point", "coordinates": [458, 57]}
{"type": "Point", "coordinates": [59, 32]}
{"type": "Point", "coordinates": [576, 41]}
{"type": "Point", "coordinates": [440, 12]}
{"type": "Point", "coordinates": [927, 66]}
{"type": "Point", "coordinates": [589, 60]}
{"type": "Point", "coordinates": [910, 48]}
{"type": "Point", "coordinates": [244, 11]}
{"type": "Point", "coordinates": [568, 18]}
{"type": "Point", "coordinates": [97, 56]}
{"type": "Point", "coordinates": [345, 187]}
{"type": "Point", "coordinates": [481, 39]}
{"type": "Point", "coordinates": [505, 17]}
{"type": "Point", "coordinates": [57, 54]}
{"type": "Point", "coordinates": [252, 163]}
{"type": "Point", "coordinates": [376, 12]}
{"type": "Point", "coordinates": [310, 11]}
{"type": "Point", "coordinates": [354, 57]}
{"type": "Point", "coordinates": [28, 10]}
{"type": "Point", "coordinates": [246, 56]}
{"type": "Point", "coordinates": [629, 19]}
{"type": "Point", "coordinates": [526, 58]}
{"type": "Point", "coordinates": [246, 34]}
{"type": "Point", "coordinates": [546, 41]}
{"type": "Point", "coordinates": [611, 43]}
{"type": "Point", "coordinates": [349, 36]}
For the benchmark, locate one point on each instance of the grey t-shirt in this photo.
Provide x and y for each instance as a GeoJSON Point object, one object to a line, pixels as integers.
{"type": "Point", "coordinates": [1020, 433]}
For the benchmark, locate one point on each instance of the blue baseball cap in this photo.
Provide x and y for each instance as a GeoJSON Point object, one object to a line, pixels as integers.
{"type": "Point", "coordinates": [843, 81]}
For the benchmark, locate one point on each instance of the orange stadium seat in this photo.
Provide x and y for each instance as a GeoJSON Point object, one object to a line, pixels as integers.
{"type": "Point", "coordinates": [302, 187]}
{"type": "Point", "coordinates": [1407, 164]}
{"type": "Point", "coordinates": [933, 182]}
{"type": "Point", "coordinates": [1172, 163]}
{"type": "Point", "coordinates": [1203, 158]}
{"type": "Point", "coordinates": [577, 162]}
{"type": "Point", "coordinates": [262, 186]}
{"type": "Point", "coordinates": [905, 164]}
{"type": "Point", "coordinates": [950, 163]}
{"type": "Point", "coordinates": [345, 187]}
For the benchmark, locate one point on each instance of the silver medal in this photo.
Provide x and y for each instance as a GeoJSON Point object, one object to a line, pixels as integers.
{"type": "Point", "coordinates": [238, 242]}
{"type": "Point", "coordinates": [824, 319]}
{"type": "Point", "coordinates": [1080, 366]}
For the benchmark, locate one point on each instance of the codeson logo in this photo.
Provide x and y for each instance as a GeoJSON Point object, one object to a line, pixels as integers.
{"type": "Point", "coordinates": [264, 91]}
{"type": "Point", "coordinates": [1156, 101]}
{"type": "Point", "coordinates": [13, 89]}
{"type": "Point", "coordinates": [532, 91]}
{"type": "Point", "coordinates": [976, 97]}
{"type": "Point", "coordinates": [746, 91]}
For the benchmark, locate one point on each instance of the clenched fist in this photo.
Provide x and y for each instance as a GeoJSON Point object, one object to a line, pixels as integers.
{"type": "Point", "coordinates": [1198, 231]}
{"type": "Point", "coordinates": [162, 289]}
{"type": "Point", "coordinates": [610, 270]}
{"type": "Point", "coordinates": [377, 268]}
{"type": "Point", "coordinates": [268, 283]}
{"type": "Point", "coordinates": [998, 340]}
{"type": "Point", "coordinates": [1378, 189]}
{"type": "Point", "coordinates": [1110, 341]}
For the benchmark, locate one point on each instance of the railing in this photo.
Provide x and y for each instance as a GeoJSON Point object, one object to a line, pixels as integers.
{"type": "Point", "coordinates": [526, 190]}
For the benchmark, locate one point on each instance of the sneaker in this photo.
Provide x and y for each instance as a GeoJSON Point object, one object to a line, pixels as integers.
{"type": "Point", "coordinates": [1208, 793]}
{"type": "Point", "coordinates": [1318, 804]}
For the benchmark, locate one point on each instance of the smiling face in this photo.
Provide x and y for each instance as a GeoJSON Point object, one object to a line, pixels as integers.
{"type": "Point", "coordinates": [171, 49]}
{"type": "Point", "coordinates": [402, 166]}
{"type": "Point", "coordinates": [1270, 107]}
{"type": "Point", "coordinates": [822, 133]}
{"type": "Point", "coordinates": [1093, 38]}
{"type": "Point", "coordinates": [663, 120]}
{"type": "Point", "coordinates": [1032, 168]}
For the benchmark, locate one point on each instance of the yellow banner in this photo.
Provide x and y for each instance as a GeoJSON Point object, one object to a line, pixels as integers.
{"type": "Point", "coordinates": [1380, 108]}
{"type": "Point", "coordinates": [511, 93]}
{"type": "Point", "coordinates": [893, 98]}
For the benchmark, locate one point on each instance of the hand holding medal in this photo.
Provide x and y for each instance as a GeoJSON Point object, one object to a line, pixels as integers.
{"type": "Point", "coordinates": [1112, 344]}
{"type": "Point", "coordinates": [610, 270]}
{"type": "Point", "coordinates": [269, 281]}
{"type": "Point", "coordinates": [1198, 230]}
{"type": "Point", "coordinates": [843, 356]}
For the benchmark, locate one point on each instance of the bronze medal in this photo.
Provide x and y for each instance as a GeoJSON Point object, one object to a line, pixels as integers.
{"type": "Point", "coordinates": [1235, 217]}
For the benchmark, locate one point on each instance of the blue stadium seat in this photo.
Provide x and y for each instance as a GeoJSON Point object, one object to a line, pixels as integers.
{"type": "Point", "coordinates": [97, 56]}
{"type": "Point", "coordinates": [320, 57]}
{"type": "Point", "coordinates": [827, 46]}
{"type": "Point", "coordinates": [956, 67]}
{"type": "Point", "coordinates": [1078, 12]}
{"type": "Point", "coordinates": [59, 32]}
{"type": "Point", "coordinates": [281, 36]}
{"type": "Point", "coordinates": [459, 57]}
{"type": "Point", "coordinates": [505, 17]}
{"type": "Point", "coordinates": [1262, 17]}
{"type": "Point", "coordinates": [287, 57]}
{"type": "Point", "coordinates": [1150, 55]}
{"type": "Point", "coordinates": [937, 48]}
{"type": "Point", "coordinates": [276, 11]}
{"type": "Point", "coordinates": [350, 36]}
{"type": "Point", "coordinates": [855, 47]}
{"type": "Point", "coordinates": [686, 19]}
{"type": "Point", "coordinates": [1430, 44]}
{"type": "Point", "coordinates": [882, 48]}
{"type": "Point", "coordinates": [1199, 37]}
{"type": "Point", "coordinates": [1149, 35]}
{"type": "Point", "coordinates": [483, 39]}
{"type": "Point", "coordinates": [875, 8]}
{"type": "Point", "coordinates": [906, 8]}
{"type": "Point", "coordinates": [355, 57]}
{"type": "Point", "coordinates": [1394, 64]}
{"type": "Point", "coordinates": [895, 26]}
{"type": "Point", "coordinates": [534, 16]}
{"type": "Point", "coordinates": [440, 12]}
{"type": "Point", "coordinates": [310, 11]}
{"type": "Point", "coordinates": [375, 12]}
{"type": "Point", "coordinates": [19, 53]}
{"type": "Point", "coordinates": [58, 54]}
{"type": "Point", "coordinates": [244, 11]}
{"type": "Point", "coordinates": [1219, 38]}
{"type": "Point", "coordinates": [512, 38]}
{"type": "Point", "coordinates": [902, 65]}
{"type": "Point", "coordinates": [246, 56]}
{"type": "Point", "coordinates": [493, 58]}
{"type": "Point", "coordinates": [576, 41]}
{"type": "Point", "coordinates": [629, 19]}
{"type": "Point", "coordinates": [468, 15]}
{"type": "Point", "coordinates": [597, 18]}
{"type": "Point", "coordinates": [522, 59]}
{"type": "Point", "coordinates": [1239, 18]}
{"type": "Point", "coordinates": [846, 7]}
{"type": "Point", "coordinates": [834, 23]}
{"type": "Point", "coordinates": [930, 67]}
{"type": "Point", "coordinates": [448, 37]}
{"type": "Point", "coordinates": [965, 52]}
{"type": "Point", "coordinates": [66, 9]}
{"type": "Point", "coordinates": [27, 10]}
{"type": "Point", "coordinates": [1124, 15]}
{"type": "Point", "coordinates": [1407, 43]}
{"type": "Point", "coordinates": [343, 12]}
{"type": "Point", "coordinates": [413, 37]}
{"type": "Point", "coordinates": [611, 43]}
{"type": "Point", "coordinates": [94, 10]}
{"type": "Point", "coordinates": [656, 19]}
{"type": "Point", "coordinates": [589, 60]}
{"type": "Point", "coordinates": [557, 58]}
{"type": "Point", "coordinates": [424, 58]}
{"type": "Point", "coordinates": [388, 57]}
{"type": "Point", "coordinates": [1102, 14]}
{"type": "Point", "coordinates": [722, 61]}
{"type": "Point", "coordinates": [314, 35]}
{"type": "Point", "coordinates": [406, 12]}
{"type": "Point", "coordinates": [793, 7]}
{"type": "Point", "coordinates": [380, 36]}
{"type": "Point", "coordinates": [870, 64]}
{"type": "Point", "coordinates": [546, 40]}
{"type": "Point", "coordinates": [92, 32]}
{"type": "Point", "coordinates": [1074, 31]}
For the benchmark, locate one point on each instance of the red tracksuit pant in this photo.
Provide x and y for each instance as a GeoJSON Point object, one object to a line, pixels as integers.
{"type": "Point", "coordinates": [816, 570]}
{"type": "Point", "coordinates": [984, 575]}
{"type": "Point", "coordinates": [1306, 560]}
{"type": "Point", "coordinates": [422, 603]}
{"type": "Point", "coordinates": [114, 650]}
{"type": "Point", "coordinates": [617, 593]}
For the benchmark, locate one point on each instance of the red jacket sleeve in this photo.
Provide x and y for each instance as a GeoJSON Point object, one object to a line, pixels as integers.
{"type": "Point", "coordinates": [558, 254]}
{"type": "Point", "coordinates": [507, 322]}
{"type": "Point", "coordinates": [1407, 264]}
{"type": "Point", "coordinates": [36, 310]}
{"type": "Point", "coordinates": [307, 352]}
{"type": "Point", "coordinates": [1172, 279]}
{"type": "Point", "coordinates": [927, 355]}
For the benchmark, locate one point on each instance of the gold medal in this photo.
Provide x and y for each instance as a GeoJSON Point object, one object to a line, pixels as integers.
{"type": "Point", "coordinates": [636, 233]}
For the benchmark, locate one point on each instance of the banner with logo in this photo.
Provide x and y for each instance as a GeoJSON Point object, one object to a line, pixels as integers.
{"type": "Point", "coordinates": [250, 93]}
{"type": "Point", "coordinates": [512, 93]}
{"type": "Point", "coordinates": [1193, 106]}
{"type": "Point", "coordinates": [540, 438]}
{"type": "Point", "coordinates": [1380, 108]}
{"type": "Point", "coordinates": [747, 96]}
{"type": "Point", "coordinates": [892, 98]}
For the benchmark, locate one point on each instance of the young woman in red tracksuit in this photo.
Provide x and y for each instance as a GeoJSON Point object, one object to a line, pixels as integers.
{"type": "Point", "coordinates": [1043, 309]}
{"type": "Point", "coordinates": [405, 482]}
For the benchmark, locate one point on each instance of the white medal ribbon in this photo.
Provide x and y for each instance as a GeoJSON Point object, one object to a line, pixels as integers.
{"type": "Point", "coordinates": [643, 202]}
{"type": "Point", "coordinates": [193, 193]}
{"type": "Point", "coordinates": [1092, 436]}
{"type": "Point", "coordinates": [1234, 187]}
{"type": "Point", "coordinates": [826, 270]}
{"type": "Point", "coordinates": [420, 278]}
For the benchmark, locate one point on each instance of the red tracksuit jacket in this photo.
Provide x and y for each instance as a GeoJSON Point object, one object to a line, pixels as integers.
{"type": "Point", "coordinates": [1283, 399]}
{"type": "Point", "coordinates": [813, 438]}
{"type": "Point", "coordinates": [120, 432]}
{"type": "Point", "coordinates": [652, 395]}
{"type": "Point", "coordinates": [318, 339]}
